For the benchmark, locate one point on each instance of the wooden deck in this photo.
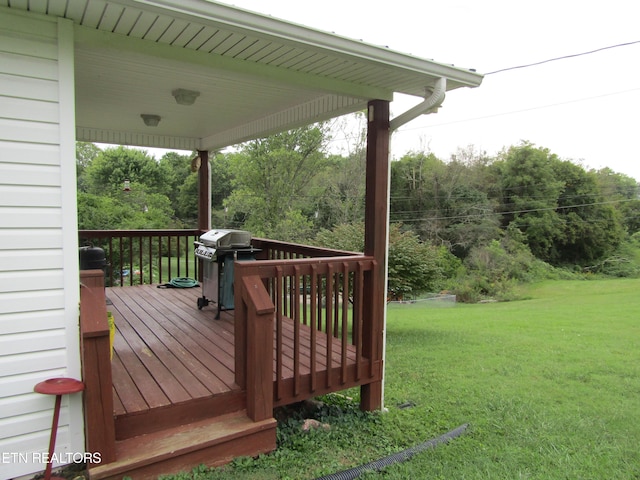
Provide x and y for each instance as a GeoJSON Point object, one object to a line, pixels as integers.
{"type": "Point", "coordinates": [174, 364]}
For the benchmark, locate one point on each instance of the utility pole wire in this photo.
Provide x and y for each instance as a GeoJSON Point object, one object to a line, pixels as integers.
{"type": "Point", "coordinates": [564, 57]}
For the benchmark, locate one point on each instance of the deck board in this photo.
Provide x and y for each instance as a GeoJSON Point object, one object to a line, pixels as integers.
{"type": "Point", "coordinates": [143, 344]}
{"type": "Point", "coordinates": [168, 352]}
{"type": "Point", "coordinates": [197, 365]}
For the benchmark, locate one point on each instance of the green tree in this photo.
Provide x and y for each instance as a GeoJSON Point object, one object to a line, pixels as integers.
{"type": "Point", "coordinates": [272, 178]}
{"type": "Point", "coordinates": [495, 269]}
{"type": "Point", "coordinates": [175, 169]}
{"type": "Point", "coordinates": [529, 191]}
{"type": "Point", "coordinates": [414, 266]}
{"type": "Point", "coordinates": [108, 205]}
{"type": "Point", "coordinates": [447, 203]}
{"type": "Point", "coordinates": [416, 193]}
{"type": "Point", "coordinates": [108, 171]}
{"type": "Point", "coordinates": [341, 189]}
{"type": "Point", "coordinates": [85, 153]}
{"type": "Point", "coordinates": [624, 193]}
{"type": "Point", "coordinates": [591, 226]}
{"type": "Point", "coordinates": [127, 210]}
{"type": "Point", "coordinates": [186, 208]}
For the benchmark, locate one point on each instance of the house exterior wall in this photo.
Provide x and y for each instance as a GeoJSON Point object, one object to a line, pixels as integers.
{"type": "Point", "coordinates": [39, 294]}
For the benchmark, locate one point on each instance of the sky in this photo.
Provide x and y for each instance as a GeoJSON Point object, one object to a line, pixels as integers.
{"type": "Point", "coordinates": [584, 108]}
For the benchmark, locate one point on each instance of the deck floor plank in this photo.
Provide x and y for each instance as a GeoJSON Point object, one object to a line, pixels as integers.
{"type": "Point", "coordinates": [149, 349]}
{"type": "Point", "coordinates": [132, 367]}
{"type": "Point", "coordinates": [127, 397]}
{"type": "Point", "coordinates": [199, 363]}
{"type": "Point", "coordinates": [165, 344]}
{"type": "Point", "coordinates": [212, 339]}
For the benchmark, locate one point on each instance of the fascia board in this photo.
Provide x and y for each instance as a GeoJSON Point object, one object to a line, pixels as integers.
{"type": "Point", "coordinates": [255, 23]}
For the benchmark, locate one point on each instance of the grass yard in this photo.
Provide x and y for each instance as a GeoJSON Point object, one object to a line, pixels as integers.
{"type": "Point", "coordinates": [174, 264]}
{"type": "Point", "coordinates": [550, 388]}
{"type": "Point", "coordinates": [549, 385]}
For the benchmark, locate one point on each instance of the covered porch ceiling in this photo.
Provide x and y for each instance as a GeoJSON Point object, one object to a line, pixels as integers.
{"type": "Point", "coordinates": [255, 75]}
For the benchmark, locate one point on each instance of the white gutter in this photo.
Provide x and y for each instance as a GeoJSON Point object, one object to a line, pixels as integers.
{"type": "Point", "coordinates": [429, 105]}
{"type": "Point", "coordinates": [259, 24]}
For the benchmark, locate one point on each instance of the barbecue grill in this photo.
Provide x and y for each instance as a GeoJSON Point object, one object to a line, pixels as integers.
{"type": "Point", "coordinates": [219, 249]}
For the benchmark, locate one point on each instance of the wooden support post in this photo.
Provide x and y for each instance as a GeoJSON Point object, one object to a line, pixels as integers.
{"type": "Point", "coordinates": [96, 366]}
{"type": "Point", "coordinates": [375, 244]}
{"type": "Point", "coordinates": [240, 327]}
{"type": "Point", "coordinates": [204, 192]}
{"type": "Point", "coordinates": [204, 200]}
{"type": "Point", "coordinates": [260, 312]}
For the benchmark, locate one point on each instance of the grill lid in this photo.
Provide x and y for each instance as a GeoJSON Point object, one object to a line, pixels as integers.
{"type": "Point", "coordinates": [226, 239]}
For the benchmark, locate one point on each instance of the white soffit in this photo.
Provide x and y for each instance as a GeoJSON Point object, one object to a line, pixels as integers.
{"type": "Point", "coordinates": [256, 75]}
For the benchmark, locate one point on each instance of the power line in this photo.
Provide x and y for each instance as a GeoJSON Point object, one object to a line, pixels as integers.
{"type": "Point", "coordinates": [513, 212]}
{"type": "Point", "coordinates": [564, 57]}
{"type": "Point", "coordinates": [552, 105]}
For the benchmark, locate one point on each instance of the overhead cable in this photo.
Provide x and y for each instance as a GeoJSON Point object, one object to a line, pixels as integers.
{"type": "Point", "coordinates": [564, 57]}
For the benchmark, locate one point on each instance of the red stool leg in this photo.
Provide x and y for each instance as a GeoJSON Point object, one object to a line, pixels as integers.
{"type": "Point", "coordinates": [52, 440]}
{"type": "Point", "coordinates": [57, 387]}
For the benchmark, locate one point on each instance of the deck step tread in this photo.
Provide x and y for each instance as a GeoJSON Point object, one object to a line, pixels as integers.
{"type": "Point", "coordinates": [150, 449]}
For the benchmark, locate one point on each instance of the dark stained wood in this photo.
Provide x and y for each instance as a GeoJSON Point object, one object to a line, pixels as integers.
{"type": "Point", "coordinates": [171, 416]}
{"type": "Point", "coordinates": [293, 335]}
{"type": "Point", "coordinates": [166, 350]}
{"type": "Point", "coordinates": [161, 332]}
{"type": "Point", "coordinates": [123, 381]}
{"type": "Point", "coordinates": [150, 248]}
{"type": "Point", "coordinates": [93, 323]}
{"type": "Point", "coordinates": [204, 192]}
{"type": "Point", "coordinates": [260, 312]}
{"type": "Point", "coordinates": [376, 214]}
{"type": "Point", "coordinates": [287, 387]}
{"type": "Point", "coordinates": [212, 442]}
{"type": "Point", "coordinates": [96, 368]}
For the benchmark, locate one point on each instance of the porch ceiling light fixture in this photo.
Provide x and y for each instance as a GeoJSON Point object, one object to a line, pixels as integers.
{"type": "Point", "coordinates": [150, 120]}
{"type": "Point", "coordinates": [185, 97]}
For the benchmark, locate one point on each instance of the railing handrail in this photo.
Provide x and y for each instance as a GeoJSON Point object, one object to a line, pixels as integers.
{"type": "Point", "coordinates": [124, 249]}
{"type": "Point", "coordinates": [147, 253]}
{"type": "Point", "coordinates": [267, 268]}
{"type": "Point", "coordinates": [138, 233]}
{"type": "Point", "coordinates": [327, 295]}
{"type": "Point", "coordinates": [305, 250]}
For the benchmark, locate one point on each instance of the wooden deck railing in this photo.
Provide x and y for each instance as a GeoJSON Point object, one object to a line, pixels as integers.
{"type": "Point", "coordinates": [323, 291]}
{"type": "Point", "coordinates": [276, 250]}
{"type": "Point", "coordinates": [325, 294]}
{"type": "Point", "coordinates": [96, 366]}
{"type": "Point", "coordinates": [137, 257]}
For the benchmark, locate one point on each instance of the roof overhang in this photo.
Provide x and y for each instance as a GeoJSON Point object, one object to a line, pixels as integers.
{"type": "Point", "coordinates": [256, 75]}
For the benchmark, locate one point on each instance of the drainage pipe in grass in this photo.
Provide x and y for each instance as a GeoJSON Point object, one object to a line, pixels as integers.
{"type": "Point", "coordinates": [402, 456]}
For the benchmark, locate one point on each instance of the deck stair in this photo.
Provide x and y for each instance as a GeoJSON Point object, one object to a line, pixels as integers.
{"type": "Point", "coordinates": [214, 441]}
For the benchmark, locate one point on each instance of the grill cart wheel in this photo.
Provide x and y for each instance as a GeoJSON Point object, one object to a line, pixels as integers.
{"type": "Point", "coordinates": [202, 302]}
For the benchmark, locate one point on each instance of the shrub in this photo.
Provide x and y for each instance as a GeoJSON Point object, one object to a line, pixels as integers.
{"type": "Point", "coordinates": [494, 270]}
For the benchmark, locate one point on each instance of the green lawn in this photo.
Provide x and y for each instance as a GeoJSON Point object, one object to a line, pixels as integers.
{"type": "Point", "coordinates": [175, 264]}
{"type": "Point", "coordinates": [550, 388]}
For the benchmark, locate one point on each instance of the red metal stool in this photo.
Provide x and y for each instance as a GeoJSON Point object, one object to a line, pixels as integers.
{"type": "Point", "coordinates": [58, 387]}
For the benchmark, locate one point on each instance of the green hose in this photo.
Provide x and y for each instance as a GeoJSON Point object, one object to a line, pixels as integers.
{"type": "Point", "coordinates": [180, 282]}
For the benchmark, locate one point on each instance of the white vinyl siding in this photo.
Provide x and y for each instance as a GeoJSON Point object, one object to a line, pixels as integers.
{"type": "Point", "coordinates": [38, 245]}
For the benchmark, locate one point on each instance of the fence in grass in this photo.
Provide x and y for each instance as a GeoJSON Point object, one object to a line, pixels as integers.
{"type": "Point", "coordinates": [428, 299]}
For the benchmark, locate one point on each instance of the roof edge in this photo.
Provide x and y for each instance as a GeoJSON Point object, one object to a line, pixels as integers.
{"type": "Point", "coordinates": [241, 19]}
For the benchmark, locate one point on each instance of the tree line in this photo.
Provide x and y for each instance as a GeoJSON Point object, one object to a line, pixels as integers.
{"type": "Point", "coordinates": [473, 224]}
